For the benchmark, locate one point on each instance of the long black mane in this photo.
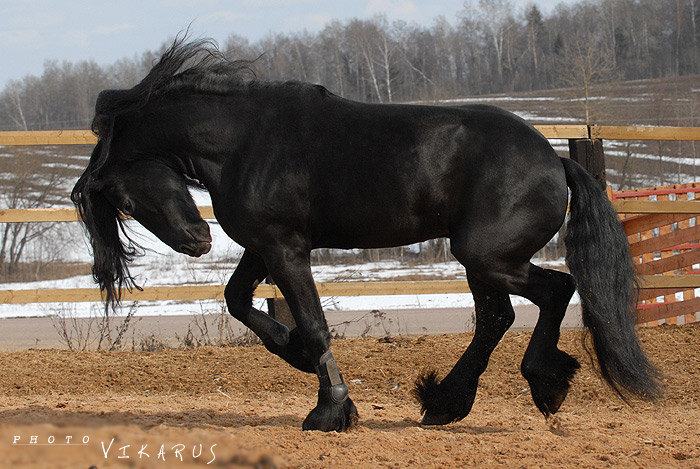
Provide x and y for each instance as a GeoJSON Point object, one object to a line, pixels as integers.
{"type": "Point", "coordinates": [196, 66]}
{"type": "Point", "coordinates": [103, 224]}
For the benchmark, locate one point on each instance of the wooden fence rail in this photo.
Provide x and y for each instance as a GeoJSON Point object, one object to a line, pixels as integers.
{"type": "Point", "coordinates": [585, 146]}
{"type": "Point", "coordinates": [664, 245]}
{"type": "Point", "coordinates": [329, 289]}
{"type": "Point", "coordinates": [553, 131]}
{"type": "Point", "coordinates": [46, 215]}
{"type": "Point", "coordinates": [216, 292]}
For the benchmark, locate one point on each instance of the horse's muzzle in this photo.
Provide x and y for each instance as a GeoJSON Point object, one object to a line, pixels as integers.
{"type": "Point", "coordinates": [195, 249]}
{"type": "Point", "coordinates": [200, 242]}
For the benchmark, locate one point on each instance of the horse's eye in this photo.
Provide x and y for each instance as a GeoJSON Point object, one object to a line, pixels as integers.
{"type": "Point", "coordinates": [128, 208]}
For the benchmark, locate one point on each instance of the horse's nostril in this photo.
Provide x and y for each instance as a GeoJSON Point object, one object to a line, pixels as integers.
{"type": "Point", "coordinates": [195, 250]}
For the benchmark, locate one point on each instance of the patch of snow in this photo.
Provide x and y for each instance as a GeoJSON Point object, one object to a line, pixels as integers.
{"type": "Point", "coordinates": [647, 156]}
{"type": "Point", "coordinates": [169, 270]}
{"type": "Point", "coordinates": [495, 98]}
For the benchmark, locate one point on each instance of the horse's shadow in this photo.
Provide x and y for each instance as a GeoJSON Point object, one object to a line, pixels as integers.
{"type": "Point", "coordinates": [201, 418]}
{"type": "Point", "coordinates": [389, 425]}
{"type": "Point", "coordinates": [193, 418]}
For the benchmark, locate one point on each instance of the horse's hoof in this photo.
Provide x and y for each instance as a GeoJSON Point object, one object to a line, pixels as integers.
{"type": "Point", "coordinates": [443, 403]}
{"type": "Point", "coordinates": [548, 398]}
{"type": "Point", "coordinates": [331, 417]}
{"type": "Point", "coordinates": [550, 384]}
{"type": "Point", "coordinates": [433, 418]}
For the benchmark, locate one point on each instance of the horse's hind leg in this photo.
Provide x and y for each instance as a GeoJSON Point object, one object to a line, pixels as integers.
{"type": "Point", "coordinates": [547, 369]}
{"type": "Point", "coordinates": [453, 397]}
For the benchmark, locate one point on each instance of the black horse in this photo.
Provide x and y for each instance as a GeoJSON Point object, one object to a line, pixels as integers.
{"type": "Point", "coordinates": [291, 167]}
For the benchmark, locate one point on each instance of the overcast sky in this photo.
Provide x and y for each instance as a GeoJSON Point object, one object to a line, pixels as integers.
{"type": "Point", "coordinates": [36, 31]}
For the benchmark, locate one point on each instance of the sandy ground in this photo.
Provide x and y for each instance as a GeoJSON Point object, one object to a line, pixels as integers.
{"type": "Point", "coordinates": [245, 408]}
{"type": "Point", "coordinates": [40, 332]}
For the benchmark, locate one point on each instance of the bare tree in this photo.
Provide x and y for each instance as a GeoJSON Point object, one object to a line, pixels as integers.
{"type": "Point", "coordinates": [582, 64]}
{"type": "Point", "coordinates": [28, 184]}
{"type": "Point", "coordinates": [494, 47]}
{"type": "Point", "coordinates": [13, 91]}
{"type": "Point", "coordinates": [494, 18]}
{"type": "Point", "coordinates": [363, 35]}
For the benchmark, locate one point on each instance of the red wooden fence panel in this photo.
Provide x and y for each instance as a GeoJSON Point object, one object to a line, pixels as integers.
{"type": "Point", "coordinates": [664, 244]}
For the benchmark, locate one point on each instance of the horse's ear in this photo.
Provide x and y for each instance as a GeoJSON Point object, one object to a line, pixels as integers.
{"type": "Point", "coordinates": [110, 102]}
{"type": "Point", "coordinates": [108, 105]}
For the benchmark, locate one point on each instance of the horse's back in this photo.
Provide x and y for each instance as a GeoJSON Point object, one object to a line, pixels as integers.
{"type": "Point", "coordinates": [395, 174]}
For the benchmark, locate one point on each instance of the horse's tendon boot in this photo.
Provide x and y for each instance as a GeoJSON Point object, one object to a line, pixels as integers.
{"type": "Point", "coordinates": [329, 377]}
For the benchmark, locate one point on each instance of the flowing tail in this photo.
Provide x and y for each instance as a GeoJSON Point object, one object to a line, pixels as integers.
{"type": "Point", "coordinates": [598, 256]}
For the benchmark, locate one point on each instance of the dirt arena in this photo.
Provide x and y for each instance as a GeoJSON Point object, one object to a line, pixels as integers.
{"type": "Point", "coordinates": [241, 407]}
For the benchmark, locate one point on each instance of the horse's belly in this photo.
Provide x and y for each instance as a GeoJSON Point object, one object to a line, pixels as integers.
{"type": "Point", "coordinates": [377, 230]}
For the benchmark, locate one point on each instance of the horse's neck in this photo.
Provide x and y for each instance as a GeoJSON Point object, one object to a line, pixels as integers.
{"type": "Point", "coordinates": [208, 173]}
{"type": "Point", "coordinates": [202, 146]}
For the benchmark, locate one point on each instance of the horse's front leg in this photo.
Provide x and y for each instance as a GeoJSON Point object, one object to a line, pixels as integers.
{"type": "Point", "coordinates": [290, 268]}
{"type": "Point", "coordinates": [276, 337]}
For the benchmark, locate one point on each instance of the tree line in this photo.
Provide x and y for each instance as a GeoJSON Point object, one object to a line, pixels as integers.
{"type": "Point", "coordinates": [489, 46]}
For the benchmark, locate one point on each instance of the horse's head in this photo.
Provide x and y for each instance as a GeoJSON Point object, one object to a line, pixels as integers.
{"type": "Point", "coordinates": [127, 177]}
{"type": "Point", "coordinates": [137, 169]}
{"type": "Point", "coordinates": [156, 195]}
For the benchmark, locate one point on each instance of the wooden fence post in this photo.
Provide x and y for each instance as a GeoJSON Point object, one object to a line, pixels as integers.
{"type": "Point", "coordinates": [279, 309]}
{"type": "Point", "coordinates": [588, 152]}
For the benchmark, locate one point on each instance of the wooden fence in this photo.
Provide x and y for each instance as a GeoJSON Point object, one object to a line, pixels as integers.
{"type": "Point", "coordinates": [664, 244]}
{"type": "Point", "coordinates": [585, 146]}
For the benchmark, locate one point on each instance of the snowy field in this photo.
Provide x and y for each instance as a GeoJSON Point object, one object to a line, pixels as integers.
{"type": "Point", "coordinates": [161, 266]}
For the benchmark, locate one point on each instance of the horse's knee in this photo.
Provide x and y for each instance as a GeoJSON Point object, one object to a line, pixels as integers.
{"type": "Point", "coordinates": [238, 300]}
